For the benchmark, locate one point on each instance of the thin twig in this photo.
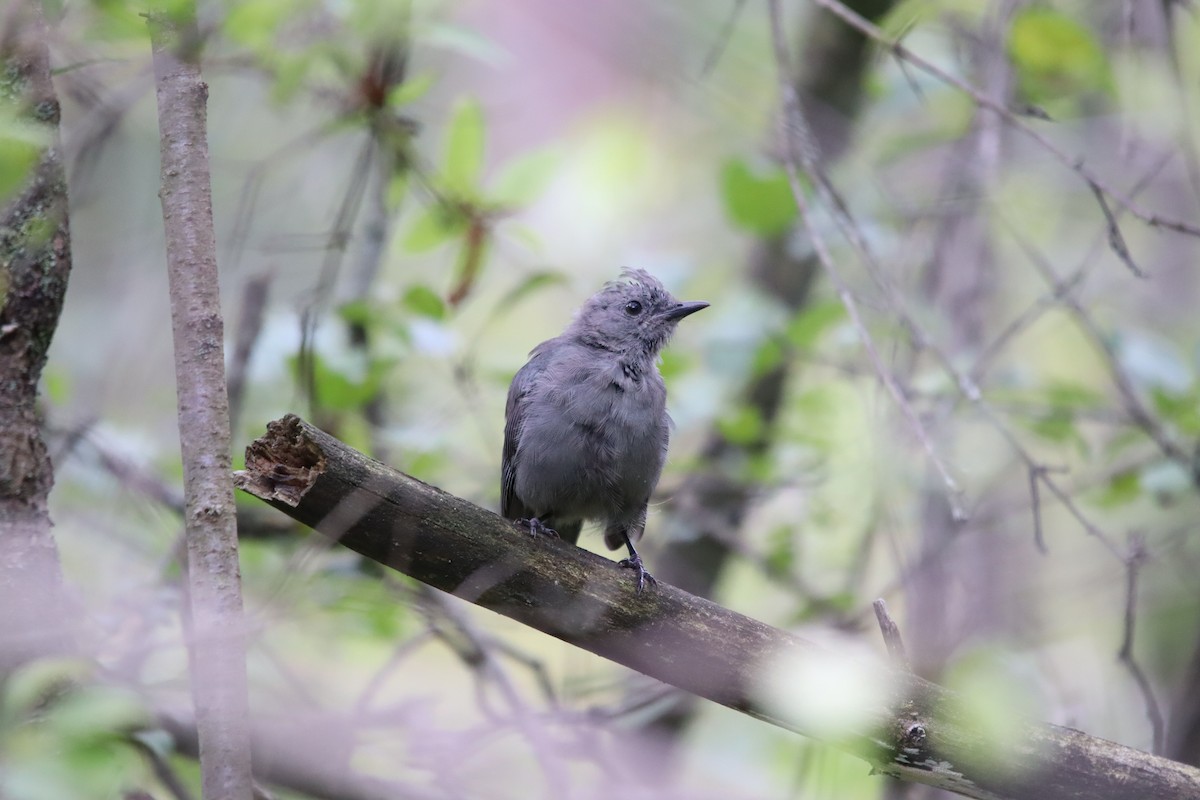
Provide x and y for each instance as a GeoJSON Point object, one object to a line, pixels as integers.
{"type": "Point", "coordinates": [254, 303]}
{"type": "Point", "coordinates": [967, 387]}
{"type": "Point", "coordinates": [1035, 501]}
{"type": "Point", "coordinates": [1115, 239]}
{"type": "Point", "coordinates": [891, 635]}
{"type": "Point", "coordinates": [1072, 163]}
{"type": "Point", "coordinates": [1137, 556]}
{"type": "Point", "coordinates": [799, 150]}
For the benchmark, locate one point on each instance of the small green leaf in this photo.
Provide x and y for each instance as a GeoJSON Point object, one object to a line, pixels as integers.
{"type": "Point", "coordinates": [523, 178]}
{"type": "Point", "coordinates": [1122, 489]}
{"type": "Point", "coordinates": [97, 710]}
{"type": "Point", "coordinates": [807, 327]}
{"type": "Point", "coordinates": [781, 551]}
{"type": "Point", "coordinates": [424, 301]}
{"type": "Point", "coordinates": [672, 363]}
{"type": "Point", "coordinates": [1181, 409]}
{"type": "Point", "coordinates": [410, 91]}
{"type": "Point", "coordinates": [433, 227]}
{"type": "Point", "coordinates": [767, 357]}
{"type": "Point", "coordinates": [253, 23]}
{"type": "Point", "coordinates": [758, 202]}
{"type": "Point", "coordinates": [744, 426]}
{"type": "Point", "coordinates": [338, 391]}
{"type": "Point", "coordinates": [358, 312]}
{"type": "Point", "coordinates": [464, 149]}
{"type": "Point", "coordinates": [1058, 426]}
{"type": "Point", "coordinates": [1072, 396]}
{"type": "Point", "coordinates": [1055, 56]}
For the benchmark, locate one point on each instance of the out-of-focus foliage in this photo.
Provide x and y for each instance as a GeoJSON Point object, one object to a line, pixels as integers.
{"type": "Point", "coordinates": [1056, 57]}
{"type": "Point", "coordinates": [434, 187]}
{"type": "Point", "coordinates": [62, 736]}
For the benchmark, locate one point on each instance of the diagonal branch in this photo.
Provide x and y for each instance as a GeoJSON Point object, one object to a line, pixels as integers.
{"type": "Point", "coordinates": [918, 733]}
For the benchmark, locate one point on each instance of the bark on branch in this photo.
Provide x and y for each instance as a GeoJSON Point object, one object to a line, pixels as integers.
{"type": "Point", "coordinates": [216, 649]}
{"type": "Point", "coordinates": [921, 734]}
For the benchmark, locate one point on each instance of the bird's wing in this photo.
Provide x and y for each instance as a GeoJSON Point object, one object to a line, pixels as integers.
{"type": "Point", "coordinates": [514, 418]}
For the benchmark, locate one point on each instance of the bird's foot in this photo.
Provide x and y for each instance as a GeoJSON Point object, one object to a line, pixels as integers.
{"type": "Point", "coordinates": [643, 577]}
{"type": "Point", "coordinates": [537, 528]}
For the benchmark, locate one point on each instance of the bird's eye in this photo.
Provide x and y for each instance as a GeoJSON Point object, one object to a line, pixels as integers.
{"type": "Point", "coordinates": [633, 308]}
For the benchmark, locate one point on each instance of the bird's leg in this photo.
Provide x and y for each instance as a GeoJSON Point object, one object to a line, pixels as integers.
{"type": "Point", "coordinates": [538, 528]}
{"type": "Point", "coordinates": [635, 562]}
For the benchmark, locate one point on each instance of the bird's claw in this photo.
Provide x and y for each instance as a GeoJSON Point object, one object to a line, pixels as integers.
{"type": "Point", "coordinates": [643, 577]}
{"type": "Point", "coordinates": [537, 528]}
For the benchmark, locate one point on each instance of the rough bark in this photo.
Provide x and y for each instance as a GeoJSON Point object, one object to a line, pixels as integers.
{"type": "Point", "coordinates": [217, 648]}
{"type": "Point", "coordinates": [35, 261]}
{"type": "Point", "coordinates": [921, 734]}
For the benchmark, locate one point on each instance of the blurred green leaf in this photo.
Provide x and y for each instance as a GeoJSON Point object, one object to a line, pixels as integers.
{"type": "Point", "coordinates": [672, 363]}
{"type": "Point", "coordinates": [463, 163]}
{"type": "Point", "coordinates": [744, 426]}
{"type": "Point", "coordinates": [253, 23]}
{"type": "Point", "coordinates": [758, 202]}
{"type": "Point", "coordinates": [411, 90]}
{"type": "Point", "coordinates": [358, 312]}
{"type": "Point", "coordinates": [1059, 426]}
{"type": "Point", "coordinates": [435, 226]}
{"type": "Point", "coordinates": [97, 711]}
{"type": "Point", "coordinates": [424, 301]}
{"type": "Point", "coordinates": [807, 327]}
{"type": "Point", "coordinates": [291, 70]}
{"type": "Point", "coordinates": [523, 178]}
{"type": "Point", "coordinates": [1180, 409]}
{"type": "Point", "coordinates": [1072, 396]}
{"type": "Point", "coordinates": [781, 550]}
{"type": "Point", "coordinates": [338, 391]}
{"type": "Point", "coordinates": [1122, 489]}
{"type": "Point", "coordinates": [1055, 56]}
{"type": "Point", "coordinates": [767, 356]}
{"type": "Point", "coordinates": [39, 682]}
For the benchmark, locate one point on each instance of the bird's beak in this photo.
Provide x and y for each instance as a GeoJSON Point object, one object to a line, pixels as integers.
{"type": "Point", "coordinates": [683, 309]}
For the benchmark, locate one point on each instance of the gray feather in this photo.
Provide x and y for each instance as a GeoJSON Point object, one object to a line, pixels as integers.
{"type": "Point", "coordinates": [586, 425]}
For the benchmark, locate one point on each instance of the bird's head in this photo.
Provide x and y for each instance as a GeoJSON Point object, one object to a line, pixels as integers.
{"type": "Point", "coordinates": [635, 315]}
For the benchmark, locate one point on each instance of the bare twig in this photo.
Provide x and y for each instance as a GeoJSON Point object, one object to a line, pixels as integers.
{"type": "Point", "coordinates": [966, 386]}
{"type": "Point", "coordinates": [891, 635]}
{"type": "Point", "coordinates": [1137, 410]}
{"type": "Point", "coordinates": [800, 151]}
{"type": "Point", "coordinates": [1072, 163]}
{"type": "Point", "coordinates": [254, 303]}
{"type": "Point", "coordinates": [1035, 502]}
{"type": "Point", "coordinates": [1115, 238]}
{"type": "Point", "coordinates": [1137, 556]}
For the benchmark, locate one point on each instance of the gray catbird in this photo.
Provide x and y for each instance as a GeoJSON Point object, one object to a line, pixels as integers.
{"type": "Point", "coordinates": [586, 424]}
